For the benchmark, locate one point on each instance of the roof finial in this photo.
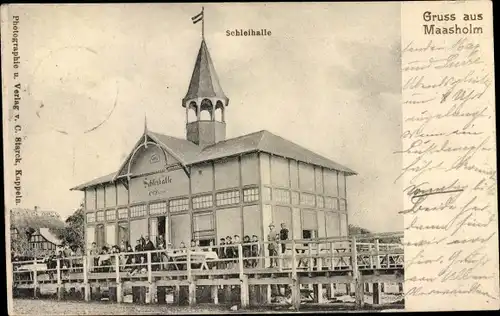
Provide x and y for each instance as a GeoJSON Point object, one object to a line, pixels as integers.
{"type": "Point", "coordinates": [145, 131]}
{"type": "Point", "coordinates": [200, 17]}
{"type": "Point", "coordinates": [203, 23]}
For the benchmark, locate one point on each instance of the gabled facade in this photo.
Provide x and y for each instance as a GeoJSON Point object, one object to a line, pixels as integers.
{"type": "Point", "coordinates": [207, 187]}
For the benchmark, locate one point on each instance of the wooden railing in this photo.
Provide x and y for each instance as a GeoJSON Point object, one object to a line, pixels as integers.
{"type": "Point", "coordinates": [354, 253]}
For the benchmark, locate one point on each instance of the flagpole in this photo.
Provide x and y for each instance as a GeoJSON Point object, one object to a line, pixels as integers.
{"type": "Point", "coordinates": [203, 23]}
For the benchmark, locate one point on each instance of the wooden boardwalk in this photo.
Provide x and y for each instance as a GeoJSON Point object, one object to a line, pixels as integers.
{"type": "Point", "coordinates": [307, 266]}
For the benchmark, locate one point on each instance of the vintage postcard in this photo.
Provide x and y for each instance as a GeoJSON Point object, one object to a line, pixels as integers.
{"type": "Point", "coordinates": [249, 158]}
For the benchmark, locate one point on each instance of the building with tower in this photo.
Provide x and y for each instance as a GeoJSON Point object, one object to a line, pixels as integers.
{"type": "Point", "coordinates": [207, 186]}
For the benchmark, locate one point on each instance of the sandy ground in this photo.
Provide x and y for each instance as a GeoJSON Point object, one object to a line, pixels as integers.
{"type": "Point", "coordinates": [52, 307]}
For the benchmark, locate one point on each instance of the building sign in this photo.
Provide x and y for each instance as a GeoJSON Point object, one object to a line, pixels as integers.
{"type": "Point", "coordinates": [156, 185]}
{"type": "Point", "coordinates": [167, 184]}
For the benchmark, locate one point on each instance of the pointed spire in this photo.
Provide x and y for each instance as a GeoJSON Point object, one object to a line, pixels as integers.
{"type": "Point", "coordinates": [204, 80]}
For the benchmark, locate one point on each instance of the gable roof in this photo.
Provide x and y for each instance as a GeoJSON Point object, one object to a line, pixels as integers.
{"type": "Point", "coordinates": [26, 218]}
{"type": "Point", "coordinates": [263, 141]}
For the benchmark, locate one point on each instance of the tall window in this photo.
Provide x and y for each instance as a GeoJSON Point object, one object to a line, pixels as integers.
{"type": "Point", "coordinates": [251, 195]}
{"type": "Point", "coordinates": [228, 198]}
{"type": "Point", "coordinates": [158, 208]}
{"type": "Point", "coordinates": [331, 203]}
{"type": "Point", "coordinates": [204, 201]}
{"type": "Point", "coordinates": [179, 205]}
{"type": "Point", "coordinates": [320, 201]}
{"type": "Point", "coordinates": [203, 226]}
{"type": "Point", "coordinates": [281, 196]}
{"type": "Point", "coordinates": [100, 234]}
{"type": "Point", "coordinates": [122, 213]}
{"type": "Point", "coordinates": [90, 217]}
{"type": "Point", "coordinates": [110, 215]}
{"type": "Point", "coordinates": [138, 210]}
{"type": "Point", "coordinates": [123, 232]}
{"type": "Point", "coordinates": [100, 216]}
{"type": "Point", "coordinates": [307, 199]}
{"type": "Point", "coordinates": [343, 205]}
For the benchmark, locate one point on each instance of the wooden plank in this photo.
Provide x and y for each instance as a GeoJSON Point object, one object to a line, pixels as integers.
{"type": "Point", "coordinates": [172, 283]}
{"type": "Point", "coordinates": [325, 279]}
{"type": "Point", "coordinates": [234, 281]}
{"type": "Point", "coordinates": [382, 278]}
{"type": "Point", "coordinates": [269, 281]}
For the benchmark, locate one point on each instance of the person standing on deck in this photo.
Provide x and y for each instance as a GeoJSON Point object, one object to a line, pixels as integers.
{"type": "Point", "coordinates": [272, 246]}
{"type": "Point", "coordinates": [221, 253]}
{"type": "Point", "coordinates": [139, 248]}
{"type": "Point", "coordinates": [255, 250]}
{"type": "Point", "coordinates": [283, 238]}
{"type": "Point", "coordinates": [94, 253]}
{"type": "Point", "coordinates": [149, 246]}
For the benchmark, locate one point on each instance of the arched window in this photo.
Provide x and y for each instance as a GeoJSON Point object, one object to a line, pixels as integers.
{"type": "Point", "coordinates": [218, 115]}
{"type": "Point", "coordinates": [205, 115]}
{"type": "Point", "coordinates": [192, 115]}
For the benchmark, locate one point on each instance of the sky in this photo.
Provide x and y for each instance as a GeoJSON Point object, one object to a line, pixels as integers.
{"type": "Point", "coordinates": [328, 78]}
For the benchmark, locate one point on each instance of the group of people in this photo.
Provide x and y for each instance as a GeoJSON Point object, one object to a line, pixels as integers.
{"type": "Point", "coordinates": [133, 260]}
{"type": "Point", "coordinates": [276, 238]}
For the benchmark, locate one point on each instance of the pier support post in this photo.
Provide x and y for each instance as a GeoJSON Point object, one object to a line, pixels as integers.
{"type": "Point", "coordinates": [177, 295]}
{"type": "Point", "coordinates": [376, 293]}
{"type": "Point", "coordinates": [244, 299]}
{"type": "Point", "coordinates": [161, 294]}
{"type": "Point", "coordinates": [59, 281]}
{"type": "Point", "coordinates": [318, 293]}
{"type": "Point", "coordinates": [244, 293]}
{"type": "Point", "coordinates": [358, 282]}
{"type": "Point", "coordinates": [227, 294]}
{"type": "Point", "coordinates": [86, 285]}
{"type": "Point", "coordinates": [215, 294]}
{"type": "Point", "coordinates": [192, 284]}
{"type": "Point", "coordinates": [119, 289]}
{"type": "Point", "coordinates": [295, 284]}
{"type": "Point", "coordinates": [35, 280]}
{"type": "Point", "coordinates": [330, 291]}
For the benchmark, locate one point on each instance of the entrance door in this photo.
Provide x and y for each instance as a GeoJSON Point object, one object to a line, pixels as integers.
{"type": "Point", "coordinates": [158, 226]}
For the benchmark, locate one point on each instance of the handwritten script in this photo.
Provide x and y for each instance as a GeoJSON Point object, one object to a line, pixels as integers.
{"type": "Point", "coordinates": [449, 172]}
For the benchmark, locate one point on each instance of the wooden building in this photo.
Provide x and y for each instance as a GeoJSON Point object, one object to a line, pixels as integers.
{"type": "Point", "coordinates": [207, 187]}
{"type": "Point", "coordinates": [39, 229]}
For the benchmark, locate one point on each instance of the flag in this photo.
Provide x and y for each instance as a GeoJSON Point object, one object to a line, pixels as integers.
{"type": "Point", "coordinates": [197, 18]}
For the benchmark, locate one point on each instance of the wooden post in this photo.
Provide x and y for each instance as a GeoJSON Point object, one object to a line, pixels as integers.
{"type": "Point", "coordinates": [358, 284]}
{"type": "Point", "coordinates": [86, 284]}
{"type": "Point", "coordinates": [152, 285]}
{"type": "Point", "coordinates": [215, 294]}
{"type": "Point", "coordinates": [59, 281]}
{"type": "Point", "coordinates": [318, 293]}
{"type": "Point", "coordinates": [320, 259]}
{"type": "Point", "coordinates": [192, 285]}
{"type": "Point", "coordinates": [243, 279]}
{"type": "Point", "coordinates": [311, 261]}
{"type": "Point", "coordinates": [332, 255]}
{"type": "Point", "coordinates": [280, 259]}
{"type": "Point", "coordinates": [295, 280]}
{"type": "Point", "coordinates": [35, 279]}
{"type": "Point", "coordinates": [377, 287]}
{"type": "Point", "coordinates": [376, 293]}
{"type": "Point", "coordinates": [119, 290]}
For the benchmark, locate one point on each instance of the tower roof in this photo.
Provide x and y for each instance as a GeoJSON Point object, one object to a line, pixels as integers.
{"type": "Point", "coordinates": [204, 81]}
